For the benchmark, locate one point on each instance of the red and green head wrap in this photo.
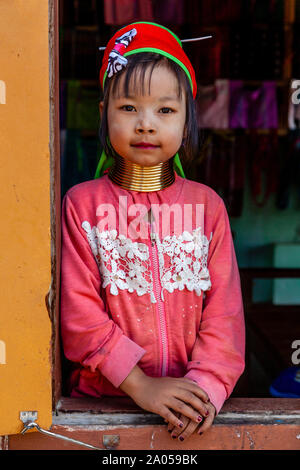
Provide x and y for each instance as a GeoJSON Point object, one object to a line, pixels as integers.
{"type": "Point", "coordinates": [144, 37]}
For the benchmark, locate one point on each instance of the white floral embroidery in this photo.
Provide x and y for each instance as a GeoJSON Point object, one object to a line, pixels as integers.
{"type": "Point", "coordinates": [125, 264]}
{"type": "Point", "coordinates": [187, 264]}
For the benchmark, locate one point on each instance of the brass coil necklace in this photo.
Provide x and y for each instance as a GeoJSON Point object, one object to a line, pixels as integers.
{"type": "Point", "coordinates": [134, 177]}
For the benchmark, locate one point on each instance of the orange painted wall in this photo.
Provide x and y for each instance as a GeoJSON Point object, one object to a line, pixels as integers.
{"type": "Point", "coordinates": [25, 262]}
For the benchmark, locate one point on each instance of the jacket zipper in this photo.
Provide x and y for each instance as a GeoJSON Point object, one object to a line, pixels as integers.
{"type": "Point", "coordinates": [160, 305]}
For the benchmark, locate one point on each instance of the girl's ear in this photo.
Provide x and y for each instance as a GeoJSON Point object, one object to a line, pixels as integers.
{"type": "Point", "coordinates": [101, 108]}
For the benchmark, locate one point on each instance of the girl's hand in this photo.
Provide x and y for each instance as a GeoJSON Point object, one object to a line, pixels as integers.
{"type": "Point", "coordinates": [167, 395]}
{"type": "Point", "coordinates": [189, 426]}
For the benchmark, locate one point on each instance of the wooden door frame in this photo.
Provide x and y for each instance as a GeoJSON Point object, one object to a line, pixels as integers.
{"type": "Point", "coordinates": [53, 296]}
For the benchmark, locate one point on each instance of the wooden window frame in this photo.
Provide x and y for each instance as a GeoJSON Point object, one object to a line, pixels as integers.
{"type": "Point", "coordinates": [75, 411]}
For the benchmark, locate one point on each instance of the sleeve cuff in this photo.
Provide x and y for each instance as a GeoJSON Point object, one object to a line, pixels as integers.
{"type": "Point", "coordinates": [121, 360]}
{"type": "Point", "coordinates": [211, 385]}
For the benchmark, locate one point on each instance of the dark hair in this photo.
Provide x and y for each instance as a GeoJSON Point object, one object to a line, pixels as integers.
{"type": "Point", "coordinates": [140, 62]}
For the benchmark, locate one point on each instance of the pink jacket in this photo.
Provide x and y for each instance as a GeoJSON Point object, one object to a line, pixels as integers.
{"type": "Point", "coordinates": [170, 302]}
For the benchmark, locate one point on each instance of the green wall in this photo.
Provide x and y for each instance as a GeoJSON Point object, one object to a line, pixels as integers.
{"type": "Point", "coordinates": [261, 226]}
{"type": "Point", "coordinates": [255, 234]}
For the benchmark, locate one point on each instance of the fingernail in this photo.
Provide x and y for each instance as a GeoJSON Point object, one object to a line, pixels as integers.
{"type": "Point", "coordinates": [200, 433]}
{"type": "Point", "coordinates": [199, 418]}
{"type": "Point", "coordinates": [207, 413]}
{"type": "Point", "coordinates": [181, 438]}
{"type": "Point", "coordinates": [169, 430]}
{"type": "Point", "coordinates": [174, 437]}
{"type": "Point", "coordinates": [180, 424]}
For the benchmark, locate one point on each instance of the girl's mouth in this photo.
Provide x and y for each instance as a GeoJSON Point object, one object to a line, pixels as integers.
{"type": "Point", "coordinates": [145, 145]}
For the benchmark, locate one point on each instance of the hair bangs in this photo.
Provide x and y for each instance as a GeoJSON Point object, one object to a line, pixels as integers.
{"type": "Point", "coordinates": [133, 79]}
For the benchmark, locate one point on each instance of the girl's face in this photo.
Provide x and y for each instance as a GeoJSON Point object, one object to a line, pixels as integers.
{"type": "Point", "coordinates": [148, 129]}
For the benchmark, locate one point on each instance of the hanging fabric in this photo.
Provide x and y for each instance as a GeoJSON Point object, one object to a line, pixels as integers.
{"type": "Point", "coordinates": [263, 112]}
{"type": "Point", "coordinates": [257, 52]}
{"type": "Point", "coordinates": [212, 62]}
{"type": "Point", "coordinates": [264, 168]}
{"type": "Point", "coordinates": [253, 108]}
{"type": "Point", "coordinates": [234, 193]}
{"type": "Point", "coordinates": [120, 12]}
{"type": "Point", "coordinates": [169, 12]}
{"type": "Point", "coordinates": [238, 105]}
{"type": "Point", "coordinates": [213, 105]}
{"type": "Point", "coordinates": [223, 168]}
{"type": "Point", "coordinates": [289, 169]}
{"type": "Point", "coordinates": [266, 11]}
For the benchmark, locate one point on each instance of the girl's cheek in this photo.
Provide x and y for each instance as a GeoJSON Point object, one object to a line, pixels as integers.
{"type": "Point", "coordinates": [176, 136]}
{"type": "Point", "coordinates": [115, 130]}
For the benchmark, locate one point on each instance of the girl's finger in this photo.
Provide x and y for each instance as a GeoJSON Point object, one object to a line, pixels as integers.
{"type": "Point", "coordinates": [181, 406]}
{"type": "Point", "coordinates": [176, 432]}
{"type": "Point", "coordinates": [189, 429]}
{"type": "Point", "coordinates": [170, 426]}
{"type": "Point", "coordinates": [208, 421]}
{"type": "Point", "coordinates": [194, 388]}
{"type": "Point", "coordinates": [196, 407]}
{"type": "Point", "coordinates": [171, 417]}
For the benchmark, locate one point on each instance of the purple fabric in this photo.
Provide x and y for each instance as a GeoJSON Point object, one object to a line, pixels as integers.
{"type": "Point", "coordinates": [238, 105]}
{"type": "Point", "coordinates": [263, 113]}
{"type": "Point", "coordinates": [254, 109]}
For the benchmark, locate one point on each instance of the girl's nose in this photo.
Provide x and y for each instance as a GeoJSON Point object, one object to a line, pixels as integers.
{"type": "Point", "coordinates": [145, 126]}
{"type": "Point", "coordinates": [143, 130]}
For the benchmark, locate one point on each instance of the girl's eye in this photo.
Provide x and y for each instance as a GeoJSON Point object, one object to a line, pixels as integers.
{"type": "Point", "coordinates": [166, 110]}
{"type": "Point", "coordinates": [127, 107]}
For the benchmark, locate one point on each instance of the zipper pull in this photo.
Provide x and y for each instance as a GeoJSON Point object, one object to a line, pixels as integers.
{"type": "Point", "coordinates": [153, 237]}
{"type": "Point", "coordinates": [152, 232]}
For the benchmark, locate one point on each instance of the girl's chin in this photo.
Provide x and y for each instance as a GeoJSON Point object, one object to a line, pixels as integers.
{"type": "Point", "coordinates": [146, 161]}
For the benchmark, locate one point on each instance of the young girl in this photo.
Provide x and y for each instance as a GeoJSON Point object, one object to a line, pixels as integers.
{"type": "Point", "coordinates": [151, 303]}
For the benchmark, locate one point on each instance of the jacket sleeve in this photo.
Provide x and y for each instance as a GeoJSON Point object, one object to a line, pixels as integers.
{"type": "Point", "coordinates": [217, 358]}
{"type": "Point", "coordinates": [90, 337]}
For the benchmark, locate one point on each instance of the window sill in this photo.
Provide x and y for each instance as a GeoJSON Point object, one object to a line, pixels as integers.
{"type": "Point", "coordinates": [123, 411]}
{"type": "Point", "coordinates": [117, 423]}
